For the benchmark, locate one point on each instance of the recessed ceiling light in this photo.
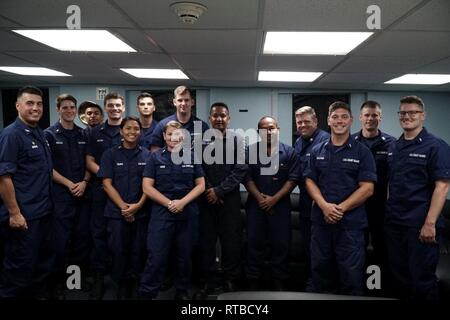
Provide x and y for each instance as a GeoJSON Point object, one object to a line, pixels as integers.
{"type": "Point", "coordinates": [421, 79]}
{"type": "Point", "coordinates": [156, 73]}
{"type": "Point", "coordinates": [35, 71]}
{"type": "Point", "coordinates": [318, 43]}
{"type": "Point", "coordinates": [78, 40]}
{"type": "Point", "coordinates": [288, 76]}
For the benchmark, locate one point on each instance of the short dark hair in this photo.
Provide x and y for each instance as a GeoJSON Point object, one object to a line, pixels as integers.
{"type": "Point", "coordinates": [219, 104]}
{"type": "Point", "coordinates": [88, 104]}
{"type": "Point", "coordinates": [370, 104]}
{"type": "Point", "coordinates": [30, 90]}
{"type": "Point", "coordinates": [270, 117]}
{"type": "Point", "coordinates": [339, 105]}
{"type": "Point", "coordinates": [130, 118]}
{"type": "Point", "coordinates": [413, 99]}
{"type": "Point", "coordinates": [143, 95]}
{"type": "Point", "coordinates": [64, 97]}
{"type": "Point", "coordinates": [113, 95]}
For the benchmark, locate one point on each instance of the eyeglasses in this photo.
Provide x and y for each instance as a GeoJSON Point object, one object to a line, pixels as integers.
{"type": "Point", "coordinates": [411, 113]}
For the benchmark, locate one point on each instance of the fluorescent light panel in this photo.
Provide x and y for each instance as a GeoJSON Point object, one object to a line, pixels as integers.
{"type": "Point", "coordinates": [288, 76]}
{"type": "Point", "coordinates": [156, 73]}
{"type": "Point", "coordinates": [421, 79]}
{"type": "Point", "coordinates": [35, 71]}
{"type": "Point", "coordinates": [78, 40]}
{"type": "Point", "coordinates": [317, 43]}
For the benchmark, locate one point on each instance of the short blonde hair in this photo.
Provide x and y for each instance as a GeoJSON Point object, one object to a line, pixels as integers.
{"type": "Point", "coordinates": [172, 124]}
{"type": "Point", "coordinates": [306, 110]}
{"type": "Point", "coordinates": [182, 90]}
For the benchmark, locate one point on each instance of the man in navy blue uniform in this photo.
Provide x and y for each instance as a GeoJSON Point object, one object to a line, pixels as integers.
{"type": "Point", "coordinates": [25, 188]}
{"type": "Point", "coordinates": [269, 205]}
{"type": "Point", "coordinates": [220, 214]}
{"type": "Point", "coordinates": [310, 136]}
{"type": "Point", "coordinates": [173, 187]}
{"type": "Point", "coordinates": [102, 137]}
{"type": "Point", "coordinates": [121, 169]}
{"type": "Point", "coordinates": [419, 174]}
{"type": "Point", "coordinates": [68, 144]}
{"type": "Point", "coordinates": [146, 108]}
{"type": "Point", "coordinates": [183, 103]}
{"type": "Point", "coordinates": [379, 143]}
{"type": "Point", "coordinates": [340, 176]}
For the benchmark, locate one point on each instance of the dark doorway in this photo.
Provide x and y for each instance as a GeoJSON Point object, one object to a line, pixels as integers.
{"type": "Point", "coordinates": [320, 103]}
{"type": "Point", "coordinates": [9, 97]}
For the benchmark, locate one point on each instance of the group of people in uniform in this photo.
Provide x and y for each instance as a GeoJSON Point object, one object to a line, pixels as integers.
{"type": "Point", "coordinates": [111, 199]}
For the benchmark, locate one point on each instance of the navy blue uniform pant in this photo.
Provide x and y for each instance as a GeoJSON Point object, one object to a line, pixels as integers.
{"type": "Point", "coordinates": [126, 243]}
{"type": "Point", "coordinates": [99, 253]}
{"type": "Point", "coordinates": [28, 259]}
{"type": "Point", "coordinates": [337, 260]}
{"type": "Point", "coordinates": [162, 234]}
{"type": "Point", "coordinates": [268, 231]}
{"type": "Point", "coordinates": [412, 262]}
{"type": "Point", "coordinates": [71, 234]}
{"type": "Point", "coordinates": [221, 222]}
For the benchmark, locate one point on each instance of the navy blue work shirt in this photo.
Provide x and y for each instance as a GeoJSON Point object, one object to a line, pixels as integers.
{"type": "Point", "coordinates": [379, 146]}
{"type": "Point", "coordinates": [68, 149]}
{"type": "Point", "coordinates": [146, 135]}
{"type": "Point", "coordinates": [173, 180]}
{"type": "Point", "coordinates": [157, 138]}
{"type": "Point", "coordinates": [414, 167]}
{"type": "Point", "coordinates": [303, 148]}
{"type": "Point", "coordinates": [223, 175]}
{"type": "Point", "coordinates": [337, 171]}
{"type": "Point", "coordinates": [125, 168]}
{"type": "Point", "coordinates": [288, 169]}
{"type": "Point", "coordinates": [102, 138]}
{"type": "Point", "coordinates": [25, 156]}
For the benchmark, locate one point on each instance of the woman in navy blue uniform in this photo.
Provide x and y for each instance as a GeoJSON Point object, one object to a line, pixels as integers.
{"type": "Point", "coordinates": [173, 187]}
{"type": "Point", "coordinates": [121, 169]}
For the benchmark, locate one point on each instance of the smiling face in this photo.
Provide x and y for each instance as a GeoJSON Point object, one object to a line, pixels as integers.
{"type": "Point", "coordinates": [306, 124]}
{"type": "Point", "coordinates": [340, 122]}
{"type": "Point", "coordinates": [131, 132]}
{"type": "Point", "coordinates": [370, 118]}
{"type": "Point", "coordinates": [183, 103]}
{"type": "Point", "coordinates": [411, 116]}
{"type": "Point", "coordinates": [173, 137]}
{"type": "Point", "coordinates": [114, 108]}
{"type": "Point", "coordinates": [30, 108]}
{"type": "Point", "coordinates": [67, 111]}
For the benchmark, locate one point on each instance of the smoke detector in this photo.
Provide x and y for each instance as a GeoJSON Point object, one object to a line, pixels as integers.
{"type": "Point", "coordinates": [188, 12]}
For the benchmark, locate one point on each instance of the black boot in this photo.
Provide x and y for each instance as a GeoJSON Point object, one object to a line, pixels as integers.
{"type": "Point", "coordinates": [278, 285]}
{"type": "Point", "coordinates": [229, 286]}
{"type": "Point", "coordinates": [181, 295]}
{"type": "Point", "coordinates": [57, 287]}
{"type": "Point", "coordinates": [121, 293]}
{"type": "Point", "coordinates": [98, 288]}
{"type": "Point", "coordinates": [132, 288]}
{"type": "Point", "coordinates": [254, 285]}
{"type": "Point", "coordinates": [202, 293]}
